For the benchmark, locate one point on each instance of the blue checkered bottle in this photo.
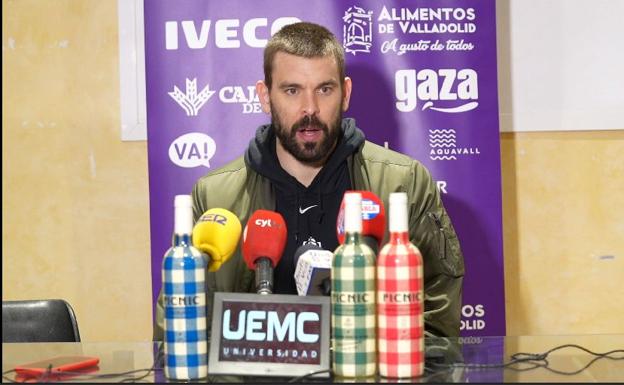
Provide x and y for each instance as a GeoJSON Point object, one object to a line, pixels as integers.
{"type": "Point", "coordinates": [184, 290]}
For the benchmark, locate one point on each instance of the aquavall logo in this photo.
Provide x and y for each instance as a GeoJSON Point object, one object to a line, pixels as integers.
{"type": "Point", "coordinates": [442, 139]}
{"type": "Point", "coordinates": [357, 30]}
{"type": "Point", "coordinates": [191, 101]}
{"type": "Point", "coordinates": [443, 144]}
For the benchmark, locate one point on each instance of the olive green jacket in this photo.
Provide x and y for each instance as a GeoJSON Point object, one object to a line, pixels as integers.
{"type": "Point", "coordinates": [241, 190]}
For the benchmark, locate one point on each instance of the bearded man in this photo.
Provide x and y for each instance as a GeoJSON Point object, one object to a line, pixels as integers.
{"type": "Point", "coordinates": [301, 164]}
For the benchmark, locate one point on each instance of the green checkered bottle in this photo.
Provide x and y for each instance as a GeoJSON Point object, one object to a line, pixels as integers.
{"type": "Point", "coordinates": [353, 298]}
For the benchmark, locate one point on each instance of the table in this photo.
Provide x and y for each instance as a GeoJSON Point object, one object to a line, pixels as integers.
{"type": "Point", "coordinates": [448, 360]}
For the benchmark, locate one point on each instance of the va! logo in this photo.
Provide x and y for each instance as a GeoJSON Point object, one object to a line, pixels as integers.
{"type": "Point", "coordinates": [192, 150]}
{"type": "Point", "coordinates": [190, 100]}
{"type": "Point", "coordinates": [357, 30]}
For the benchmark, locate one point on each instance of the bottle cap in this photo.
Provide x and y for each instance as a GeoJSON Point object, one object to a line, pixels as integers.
{"type": "Point", "coordinates": [182, 201]}
{"type": "Point", "coordinates": [353, 198]}
{"type": "Point", "coordinates": [183, 214]}
{"type": "Point", "coordinates": [398, 213]}
{"type": "Point", "coordinates": [398, 198]}
{"type": "Point", "coordinates": [353, 212]}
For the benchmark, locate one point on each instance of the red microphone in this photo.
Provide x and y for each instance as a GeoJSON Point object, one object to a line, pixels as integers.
{"type": "Point", "coordinates": [264, 240]}
{"type": "Point", "coordinates": [373, 220]}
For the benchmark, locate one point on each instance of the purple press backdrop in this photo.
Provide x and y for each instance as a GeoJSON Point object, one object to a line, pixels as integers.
{"type": "Point", "coordinates": [424, 82]}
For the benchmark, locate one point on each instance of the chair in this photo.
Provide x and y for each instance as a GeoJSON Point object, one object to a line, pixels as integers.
{"type": "Point", "coordinates": [48, 320]}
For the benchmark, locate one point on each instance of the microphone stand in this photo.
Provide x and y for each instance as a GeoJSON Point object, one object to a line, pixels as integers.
{"type": "Point", "coordinates": [264, 276]}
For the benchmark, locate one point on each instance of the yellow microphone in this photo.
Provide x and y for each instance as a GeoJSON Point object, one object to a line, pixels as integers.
{"type": "Point", "coordinates": [216, 233]}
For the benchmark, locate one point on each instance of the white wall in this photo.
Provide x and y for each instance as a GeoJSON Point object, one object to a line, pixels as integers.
{"type": "Point", "coordinates": [561, 64]}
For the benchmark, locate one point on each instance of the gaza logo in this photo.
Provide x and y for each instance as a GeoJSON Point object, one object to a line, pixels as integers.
{"type": "Point", "coordinates": [446, 90]}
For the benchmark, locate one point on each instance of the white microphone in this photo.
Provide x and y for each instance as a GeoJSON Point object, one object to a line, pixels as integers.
{"type": "Point", "coordinates": [313, 270]}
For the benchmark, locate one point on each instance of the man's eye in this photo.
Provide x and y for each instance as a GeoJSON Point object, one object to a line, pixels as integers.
{"type": "Point", "coordinates": [325, 90]}
{"type": "Point", "coordinates": [291, 91]}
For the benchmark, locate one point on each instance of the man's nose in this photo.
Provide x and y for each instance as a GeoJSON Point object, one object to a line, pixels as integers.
{"type": "Point", "coordinates": [310, 103]}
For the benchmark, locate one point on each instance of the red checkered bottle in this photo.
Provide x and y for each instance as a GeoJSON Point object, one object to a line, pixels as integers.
{"type": "Point", "coordinates": [400, 323]}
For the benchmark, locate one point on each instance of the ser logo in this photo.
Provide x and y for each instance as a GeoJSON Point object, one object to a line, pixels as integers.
{"type": "Point", "coordinates": [447, 85]}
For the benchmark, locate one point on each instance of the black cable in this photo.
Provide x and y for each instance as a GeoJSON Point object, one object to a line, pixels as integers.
{"type": "Point", "coordinates": [533, 361]}
{"type": "Point", "coordinates": [540, 360]}
{"type": "Point", "coordinates": [303, 377]}
{"type": "Point", "coordinates": [598, 356]}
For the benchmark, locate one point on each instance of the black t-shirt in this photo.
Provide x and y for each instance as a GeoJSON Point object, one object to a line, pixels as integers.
{"type": "Point", "coordinates": [310, 217]}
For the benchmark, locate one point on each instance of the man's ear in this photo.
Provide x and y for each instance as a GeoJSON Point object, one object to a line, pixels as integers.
{"type": "Point", "coordinates": [263, 95]}
{"type": "Point", "coordinates": [346, 93]}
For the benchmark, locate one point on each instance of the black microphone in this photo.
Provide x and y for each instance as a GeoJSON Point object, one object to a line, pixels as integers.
{"type": "Point", "coordinates": [313, 270]}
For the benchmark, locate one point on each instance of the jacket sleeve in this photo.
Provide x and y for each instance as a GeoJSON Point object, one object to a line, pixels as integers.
{"type": "Point", "coordinates": [432, 232]}
{"type": "Point", "coordinates": [159, 327]}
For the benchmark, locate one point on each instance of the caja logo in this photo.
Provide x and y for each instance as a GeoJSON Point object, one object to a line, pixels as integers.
{"type": "Point", "coordinates": [191, 101]}
{"type": "Point", "coordinates": [245, 96]}
{"type": "Point", "coordinates": [430, 86]}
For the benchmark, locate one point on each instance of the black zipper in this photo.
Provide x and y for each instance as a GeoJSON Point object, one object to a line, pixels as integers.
{"type": "Point", "coordinates": [438, 223]}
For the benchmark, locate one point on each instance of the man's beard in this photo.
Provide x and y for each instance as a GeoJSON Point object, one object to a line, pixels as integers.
{"type": "Point", "coordinates": [307, 152]}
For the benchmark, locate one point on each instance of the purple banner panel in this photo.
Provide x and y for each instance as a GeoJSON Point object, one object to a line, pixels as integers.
{"type": "Point", "coordinates": [424, 84]}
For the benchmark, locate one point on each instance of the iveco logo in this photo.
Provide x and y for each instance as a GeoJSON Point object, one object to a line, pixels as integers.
{"type": "Point", "coordinates": [225, 32]}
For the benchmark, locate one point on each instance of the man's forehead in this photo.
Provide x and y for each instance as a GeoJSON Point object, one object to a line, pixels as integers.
{"type": "Point", "coordinates": [288, 65]}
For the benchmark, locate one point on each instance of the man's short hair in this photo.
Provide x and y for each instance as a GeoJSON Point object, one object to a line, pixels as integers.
{"type": "Point", "coordinates": [306, 40]}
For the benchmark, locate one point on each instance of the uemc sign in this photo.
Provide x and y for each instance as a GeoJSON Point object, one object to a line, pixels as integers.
{"type": "Point", "coordinates": [270, 325]}
{"type": "Point", "coordinates": [278, 332]}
